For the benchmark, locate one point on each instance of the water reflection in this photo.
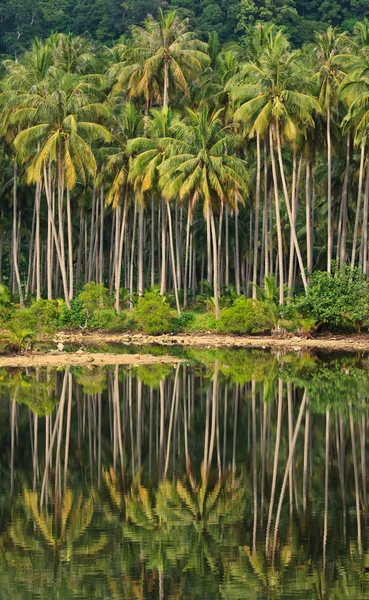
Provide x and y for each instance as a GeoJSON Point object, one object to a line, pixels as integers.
{"type": "Point", "coordinates": [240, 475]}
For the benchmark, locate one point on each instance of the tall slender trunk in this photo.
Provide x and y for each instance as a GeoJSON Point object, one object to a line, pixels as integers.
{"type": "Point", "coordinates": [365, 223]}
{"type": "Point", "coordinates": [309, 233]}
{"type": "Point", "coordinates": [288, 206]}
{"type": "Point", "coordinates": [70, 245]}
{"type": "Point", "coordinates": [152, 279]}
{"type": "Point", "coordinates": [15, 237]}
{"type": "Point", "coordinates": [140, 257]}
{"type": "Point", "coordinates": [358, 205]}
{"type": "Point", "coordinates": [278, 220]}
{"type": "Point", "coordinates": [101, 253]}
{"type": "Point", "coordinates": [186, 271]}
{"type": "Point", "coordinates": [37, 242]}
{"type": "Point", "coordinates": [171, 247]}
{"type": "Point", "coordinates": [257, 210]}
{"type": "Point", "coordinates": [329, 197]}
{"type": "Point", "coordinates": [237, 254]}
{"type": "Point", "coordinates": [120, 253]}
{"type": "Point", "coordinates": [342, 249]}
{"type": "Point", "coordinates": [215, 263]}
{"type": "Point", "coordinates": [163, 249]}
{"type": "Point", "coordinates": [166, 83]}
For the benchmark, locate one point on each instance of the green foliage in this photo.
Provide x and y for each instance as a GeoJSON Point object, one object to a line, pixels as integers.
{"type": "Point", "coordinates": [107, 319]}
{"type": "Point", "coordinates": [94, 297]}
{"type": "Point", "coordinates": [245, 316]}
{"type": "Point", "coordinates": [152, 314]}
{"type": "Point", "coordinates": [17, 339]}
{"type": "Point", "coordinates": [45, 314]}
{"type": "Point", "coordinates": [336, 300]}
{"type": "Point", "coordinates": [74, 317]}
{"type": "Point", "coordinates": [202, 323]}
{"type": "Point", "coordinates": [181, 323]}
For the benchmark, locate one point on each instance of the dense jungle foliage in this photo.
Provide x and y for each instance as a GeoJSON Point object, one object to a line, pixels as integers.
{"type": "Point", "coordinates": [173, 167]}
{"type": "Point", "coordinates": [107, 20]}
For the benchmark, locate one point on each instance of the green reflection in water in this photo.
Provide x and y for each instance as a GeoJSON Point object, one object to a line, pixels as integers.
{"type": "Point", "coordinates": [162, 482]}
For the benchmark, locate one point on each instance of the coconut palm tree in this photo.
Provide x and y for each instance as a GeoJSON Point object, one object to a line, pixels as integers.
{"type": "Point", "coordinates": [63, 122]}
{"type": "Point", "coordinates": [167, 49]}
{"type": "Point", "coordinates": [201, 165]}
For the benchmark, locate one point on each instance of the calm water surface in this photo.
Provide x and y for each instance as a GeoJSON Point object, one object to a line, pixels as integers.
{"type": "Point", "coordinates": [235, 475]}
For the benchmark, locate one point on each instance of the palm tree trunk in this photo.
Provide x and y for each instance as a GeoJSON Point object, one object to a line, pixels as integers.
{"type": "Point", "coordinates": [290, 216]}
{"type": "Point", "coordinates": [278, 220]}
{"type": "Point", "coordinates": [309, 233]}
{"type": "Point", "coordinates": [15, 237]}
{"type": "Point", "coordinates": [358, 205]}
{"type": "Point", "coordinates": [152, 242]}
{"type": "Point", "coordinates": [365, 224]}
{"type": "Point", "coordinates": [171, 247]}
{"type": "Point", "coordinates": [120, 254]}
{"type": "Point", "coordinates": [329, 198]}
{"type": "Point", "coordinates": [140, 258]}
{"type": "Point", "coordinates": [56, 241]}
{"type": "Point", "coordinates": [163, 250]}
{"type": "Point", "coordinates": [37, 242]}
{"type": "Point", "coordinates": [166, 83]}
{"type": "Point", "coordinates": [132, 255]}
{"type": "Point", "coordinates": [344, 203]}
{"type": "Point", "coordinates": [101, 253]}
{"type": "Point", "coordinates": [257, 210]}
{"type": "Point", "coordinates": [215, 263]}
{"type": "Point", "coordinates": [186, 271]}
{"type": "Point", "coordinates": [70, 245]}
{"type": "Point", "coordinates": [237, 254]}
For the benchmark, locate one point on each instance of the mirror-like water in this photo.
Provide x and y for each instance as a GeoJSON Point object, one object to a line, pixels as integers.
{"type": "Point", "coordinates": [238, 475]}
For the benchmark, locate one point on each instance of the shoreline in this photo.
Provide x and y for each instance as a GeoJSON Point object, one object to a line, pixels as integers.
{"type": "Point", "coordinates": [351, 343]}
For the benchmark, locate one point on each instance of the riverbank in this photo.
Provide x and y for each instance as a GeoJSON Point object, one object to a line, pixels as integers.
{"type": "Point", "coordinates": [61, 359]}
{"type": "Point", "coordinates": [351, 343]}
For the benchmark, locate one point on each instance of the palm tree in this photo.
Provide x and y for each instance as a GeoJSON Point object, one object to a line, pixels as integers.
{"type": "Point", "coordinates": [166, 48]}
{"type": "Point", "coordinates": [329, 47]}
{"type": "Point", "coordinates": [64, 123]}
{"type": "Point", "coordinates": [148, 153]}
{"type": "Point", "coordinates": [200, 165]}
{"type": "Point", "coordinates": [271, 102]}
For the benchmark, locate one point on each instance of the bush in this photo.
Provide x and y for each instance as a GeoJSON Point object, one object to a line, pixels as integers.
{"type": "Point", "coordinates": [45, 314]}
{"type": "Point", "coordinates": [94, 297]}
{"type": "Point", "coordinates": [245, 316]}
{"type": "Point", "coordinates": [74, 317]}
{"type": "Point", "coordinates": [202, 323]}
{"type": "Point", "coordinates": [107, 319]}
{"type": "Point", "coordinates": [182, 322]}
{"type": "Point", "coordinates": [336, 300]}
{"type": "Point", "coordinates": [152, 314]}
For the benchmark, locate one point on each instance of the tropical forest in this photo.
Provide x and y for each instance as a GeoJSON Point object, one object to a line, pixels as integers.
{"type": "Point", "coordinates": [184, 299]}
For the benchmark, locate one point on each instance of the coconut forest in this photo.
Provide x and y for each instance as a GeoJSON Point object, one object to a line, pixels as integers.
{"type": "Point", "coordinates": [184, 299]}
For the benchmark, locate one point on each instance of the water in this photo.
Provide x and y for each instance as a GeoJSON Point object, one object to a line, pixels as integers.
{"type": "Point", "coordinates": [235, 475]}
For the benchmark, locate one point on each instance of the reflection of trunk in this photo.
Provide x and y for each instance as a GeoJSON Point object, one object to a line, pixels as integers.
{"type": "Point", "coordinates": [213, 414]}
{"type": "Point", "coordinates": [169, 436]}
{"type": "Point", "coordinates": [263, 443]}
{"type": "Point", "coordinates": [254, 463]}
{"type": "Point", "coordinates": [67, 435]}
{"type": "Point", "coordinates": [50, 443]}
{"type": "Point", "coordinates": [276, 455]}
{"type": "Point", "coordinates": [306, 459]}
{"type": "Point", "coordinates": [356, 478]}
{"type": "Point", "coordinates": [363, 464]}
{"type": "Point", "coordinates": [288, 469]}
{"type": "Point", "coordinates": [35, 450]}
{"type": "Point", "coordinates": [225, 426]}
{"type": "Point", "coordinates": [138, 424]}
{"type": "Point", "coordinates": [161, 434]}
{"type": "Point", "coordinates": [326, 483]}
{"type": "Point", "coordinates": [12, 431]}
{"type": "Point", "coordinates": [235, 430]}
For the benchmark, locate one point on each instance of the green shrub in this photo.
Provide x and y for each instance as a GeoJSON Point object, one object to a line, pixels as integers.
{"type": "Point", "coordinates": [94, 297]}
{"type": "Point", "coordinates": [245, 316]}
{"type": "Point", "coordinates": [180, 323]}
{"type": "Point", "coordinates": [23, 319]}
{"type": "Point", "coordinates": [152, 314]}
{"type": "Point", "coordinates": [107, 319]}
{"type": "Point", "coordinates": [202, 323]}
{"type": "Point", "coordinates": [74, 317]}
{"type": "Point", "coordinates": [336, 300]}
{"type": "Point", "coordinates": [45, 313]}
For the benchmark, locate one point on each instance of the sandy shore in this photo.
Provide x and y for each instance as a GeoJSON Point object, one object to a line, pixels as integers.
{"type": "Point", "coordinates": [85, 359]}
{"type": "Point", "coordinates": [354, 343]}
